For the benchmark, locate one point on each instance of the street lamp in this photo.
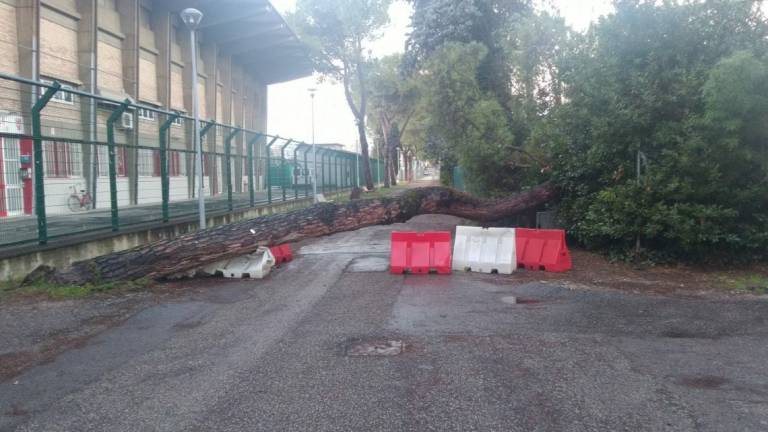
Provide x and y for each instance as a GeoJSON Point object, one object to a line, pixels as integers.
{"type": "Point", "coordinates": [312, 92]}
{"type": "Point", "coordinates": [192, 18]}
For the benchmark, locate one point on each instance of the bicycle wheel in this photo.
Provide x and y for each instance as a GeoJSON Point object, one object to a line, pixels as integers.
{"type": "Point", "coordinates": [73, 203]}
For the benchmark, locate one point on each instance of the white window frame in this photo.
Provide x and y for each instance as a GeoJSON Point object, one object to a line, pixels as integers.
{"type": "Point", "coordinates": [62, 96]}
{"type": "Point", "coordinates": [147, 114]}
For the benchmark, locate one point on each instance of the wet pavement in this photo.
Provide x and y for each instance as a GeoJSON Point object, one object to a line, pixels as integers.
{"type": "Point", "coordinates": [332, 342]}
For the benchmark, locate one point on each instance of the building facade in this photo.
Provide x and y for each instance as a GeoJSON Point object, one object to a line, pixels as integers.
{"type": "Point", "coordinates": [137, 50]}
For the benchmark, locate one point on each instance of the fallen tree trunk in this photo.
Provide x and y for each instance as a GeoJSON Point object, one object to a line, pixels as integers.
{"type": "Point", "coordinates": [191, 251]}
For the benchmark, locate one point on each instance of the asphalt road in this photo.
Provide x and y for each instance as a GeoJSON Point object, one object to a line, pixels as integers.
{"type": "Point", "coordinates": [280, 355]}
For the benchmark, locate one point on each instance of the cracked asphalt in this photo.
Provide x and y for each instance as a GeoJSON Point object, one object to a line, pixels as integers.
{"type": "Point", "coordinates": [270, 355]}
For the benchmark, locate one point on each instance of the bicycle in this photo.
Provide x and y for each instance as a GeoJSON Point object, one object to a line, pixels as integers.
{"type": "Point", "coordinates": [79, 202]}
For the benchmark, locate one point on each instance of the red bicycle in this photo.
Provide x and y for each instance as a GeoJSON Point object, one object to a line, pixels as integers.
{"type": "Point", "coordinates": [79, 201]}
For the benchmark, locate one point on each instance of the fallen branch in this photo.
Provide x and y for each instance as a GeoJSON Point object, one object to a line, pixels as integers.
{"type": "Point", "coordinates": [191, 251]}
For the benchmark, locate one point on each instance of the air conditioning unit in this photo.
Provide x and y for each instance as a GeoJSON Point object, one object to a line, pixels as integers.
{"type": "Point", "coordinates": [126, 121]}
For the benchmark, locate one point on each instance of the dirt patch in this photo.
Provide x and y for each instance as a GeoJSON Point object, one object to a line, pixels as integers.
{"type": "Point", "coordinates": [16, 411]}
{"type": "Point", "coordinates": [591, 270]}
{"type": "Point", "coordinates": [13, 364]}
{"type": "Point", "coordinates": [59, 340]}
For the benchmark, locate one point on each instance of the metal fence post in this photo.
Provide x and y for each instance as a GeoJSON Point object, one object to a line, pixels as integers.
{"type": "Point", "coordinates": [164, 181]}
{"type": "Point", "coordinates": [337, 169]}
{"type": "Point", "coordinates": [227, 157]}
{"type": "Point", "coordinates": [251, 181]}
{"type": "Point", "coordinates": [296, 170]}
{"type": "Point", "coordinates": [37, 137]}
{"type": "Point", "coordinates": [306, 171]}
{"type": "Point", "coordinates": [269, 170]}
{"type": "Point", "coordinates": [282, 166]}
{"type": "Point", "coordinates": [113, 117]}
{"type": "Point", "coordinates": [208, 126]}
{"type": "Point", "coordinates": [331, 174]}
{"type": "Point", "coordinates": [323, 166]}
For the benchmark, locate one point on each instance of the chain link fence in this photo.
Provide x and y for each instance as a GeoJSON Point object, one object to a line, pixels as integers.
{"type": "Point", "coordinates": [73, 163]}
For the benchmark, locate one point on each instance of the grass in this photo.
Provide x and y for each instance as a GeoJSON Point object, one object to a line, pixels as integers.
{"type": "Point", "coordinates": [380, 192]}
{"type": "Point", "coordinates": [751, 283]}
{"type": "Point", "coordinates": [14, 289]}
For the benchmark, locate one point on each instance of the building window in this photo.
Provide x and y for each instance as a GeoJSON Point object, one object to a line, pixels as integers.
{"type": "Point", "coordinates": [174, 164]}
{"type": "Point", "coordinates": [145, 18]}
{"type": "Point", "coordinates": [62, 96]}
{"type": "Point", "coordinates": [102, 155]}
{"type": "Point", "coordinates": [62, 159]}
{"type": "Point", "coordinates": [149, 162]}
{"type": "Point", "coordinates": [147, 114]}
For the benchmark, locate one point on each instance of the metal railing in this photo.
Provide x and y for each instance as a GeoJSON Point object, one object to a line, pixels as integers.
{"type": "Point", "coordinates": [72, 162]}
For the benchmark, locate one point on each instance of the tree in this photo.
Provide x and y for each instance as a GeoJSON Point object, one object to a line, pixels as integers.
{"type": "Point", "coordinates": [657, 151]}
{"type": "Point", "coordinates": [436, 23]}
{"type": "Point", "coordinates": [470, 124]}
{"type": "Point", "coordinates": [491, 69]}
{"type": "Point", "coordinates": [337, 32]}
{"type": "Point", "coordinates": [393, 104]}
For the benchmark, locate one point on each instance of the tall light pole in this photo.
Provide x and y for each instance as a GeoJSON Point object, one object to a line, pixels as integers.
{"type": "Point", "coordinates": [312, 92]}
{"type": "Point", "coordinates": [192, 18]}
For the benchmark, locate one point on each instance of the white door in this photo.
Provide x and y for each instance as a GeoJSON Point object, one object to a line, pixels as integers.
{"type": "Point", "coordinates": [14, 194]}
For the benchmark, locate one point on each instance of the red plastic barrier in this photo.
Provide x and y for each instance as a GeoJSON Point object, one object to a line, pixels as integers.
{"type": "Point", "coordinates": [542, 250]}
{"type": "Point", "coordinates": [282, 253]}
{"type": "Point", "coordinates": [421, 252]}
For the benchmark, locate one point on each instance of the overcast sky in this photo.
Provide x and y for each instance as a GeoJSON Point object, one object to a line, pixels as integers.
{"type": "Point", "coordinates": [290, 112]}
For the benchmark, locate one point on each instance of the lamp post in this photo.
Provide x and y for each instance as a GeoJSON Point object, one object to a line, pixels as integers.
{"type": "Point", "coordinates": [192, 18]}
{"type": "Point", "coordinates": [312, 92]}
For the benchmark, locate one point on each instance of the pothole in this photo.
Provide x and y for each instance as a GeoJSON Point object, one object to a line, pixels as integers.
{"type": "Point", "coordinates": [375, 348]}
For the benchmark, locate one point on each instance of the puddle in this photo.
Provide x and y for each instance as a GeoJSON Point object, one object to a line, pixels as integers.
{"type": "Point", "coordinates": [519, 300]}
{"type": "Point", "coordinates": [704, 382]}
{"type": "Point", "coordinates": [375, 348]}
{"type": "Point", "coordinates": [368, 264]}
{"type": "Point", "coordinates": [678, 333]}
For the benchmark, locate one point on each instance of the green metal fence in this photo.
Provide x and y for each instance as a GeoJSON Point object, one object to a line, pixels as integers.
{"type": "Point", "coordinates": [73, 163]}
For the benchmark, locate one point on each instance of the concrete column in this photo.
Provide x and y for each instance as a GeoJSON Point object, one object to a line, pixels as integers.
{"type": "Point", "coordinates": [208, 53]}
{"type": "Point", "coordinates": [161, 22]}
{"type": "Point", "coordinates": [129, 25]}
{"type": "Point", "coordinates": [87, 55]}
{"type": "Point", "coordinates": [28, 36]}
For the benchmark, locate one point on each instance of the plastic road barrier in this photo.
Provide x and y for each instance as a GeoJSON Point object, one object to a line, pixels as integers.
{"type": "Point", "coordinates": [542, 250]}
{"type": "Point", "coordinates": [282, 253]}
{"type": "Point", "coordinates": [484, 250]}
{"type": "Point", "coordinates": [255, 266]}
{"type": "Point", "coordinates": [421, 252]}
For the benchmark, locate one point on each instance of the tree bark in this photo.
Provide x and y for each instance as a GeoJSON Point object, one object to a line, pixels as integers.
{"type": "Point", "coordinates": [168, 257]}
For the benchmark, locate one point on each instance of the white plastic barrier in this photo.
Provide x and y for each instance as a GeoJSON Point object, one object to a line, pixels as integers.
{"type": "Point", "coordinates": [485, 250]}
{"type": "Point", "coordinates": [254, 266]}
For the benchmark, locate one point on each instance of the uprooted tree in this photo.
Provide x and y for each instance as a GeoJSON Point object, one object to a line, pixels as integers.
{"type": "Point", "coordinates": [173, 256]}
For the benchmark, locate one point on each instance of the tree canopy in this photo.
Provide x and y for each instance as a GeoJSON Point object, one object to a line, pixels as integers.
{"type": "Point", "coordinates": [337, 32]}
